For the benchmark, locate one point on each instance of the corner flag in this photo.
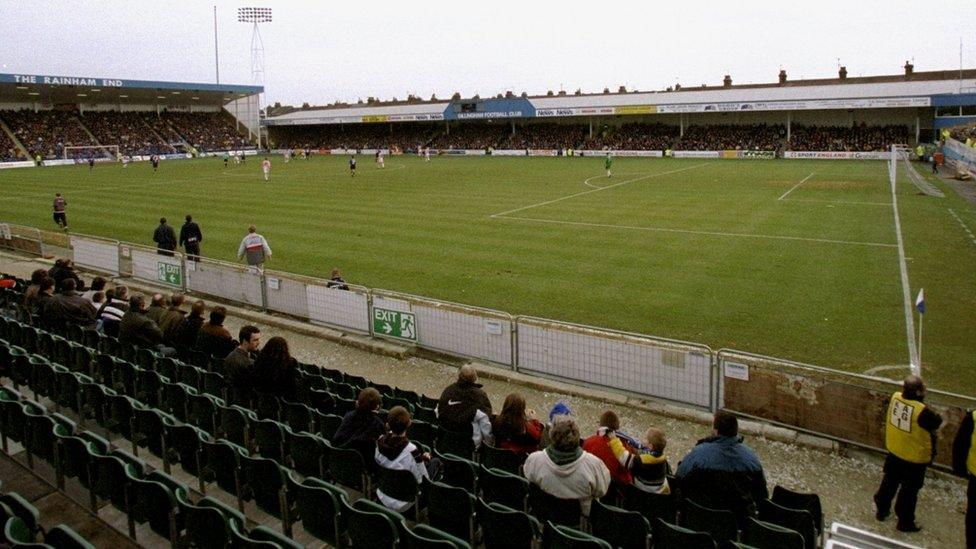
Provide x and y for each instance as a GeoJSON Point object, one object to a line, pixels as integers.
{"type": "Point", "coordinates": [920, 301]}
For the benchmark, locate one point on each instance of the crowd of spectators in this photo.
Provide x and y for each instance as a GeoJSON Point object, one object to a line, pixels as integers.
{"type": "Point", "coordinates": [476, 135]}
{"type": "Point", "coordinates": [46, 133]}
{"type": "Point", "coordinates": [545, 136]}
{"type": "Point", "coordinates": [9, 151]}
{"type": "Point", "coordinates": [128, 130]}
{"type": "Point", "coordinates": [164, 130]}
{"type": "Point", "coordinates": [208, 131]}
{"type": "Point", "coordinates": [354, 136]}
{"type": "Point", "coordinates": [635, 137]}
{"type": "Point", "coordinates": [718, 137]}
{"type": "Point", "coordinates": [857, 138]}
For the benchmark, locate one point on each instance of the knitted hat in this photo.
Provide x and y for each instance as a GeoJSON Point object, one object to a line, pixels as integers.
{"type": "Point", "coordinates": [560, 409]}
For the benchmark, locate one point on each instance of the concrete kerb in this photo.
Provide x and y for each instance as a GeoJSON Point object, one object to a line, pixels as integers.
{"type": "Point", "coordinates": [487, 370]}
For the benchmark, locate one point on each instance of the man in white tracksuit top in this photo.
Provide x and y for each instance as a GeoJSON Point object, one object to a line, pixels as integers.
{"type": "Point", "coordinates": [255, 247]}
{"type": "Point", "coordinates": [564, 470]}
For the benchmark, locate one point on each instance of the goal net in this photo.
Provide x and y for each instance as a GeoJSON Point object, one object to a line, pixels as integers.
{"type": "Point", "coordinates": [901, 169]}
{"type": "Point", "coordinates": [98, 152]}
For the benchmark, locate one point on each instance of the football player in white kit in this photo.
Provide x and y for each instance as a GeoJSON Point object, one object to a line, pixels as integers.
{"type": "Point", "coordinates": [266, 168]}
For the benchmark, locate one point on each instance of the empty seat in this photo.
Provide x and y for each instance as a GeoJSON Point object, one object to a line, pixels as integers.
{"type": "Point", "coordinates": [798, 500]}
{"type": "Point", "coordinates": [619, 527]}
{"type": "Point", "coordinates": [451, 509]}
{"type": "Point", "coordinates": [318, 505]}
{"type": "Point", "coordinates": [764, 535]}
{"type": "Point", "coordinates": [504, 527]}
{"type": "Point", "coordinates": [669, 535]}
{"type": "Point", "coordinates": [556, 536]}
{"type": "Point", "coordinates": [798, 520]}
{"type": "Point", "coordinates": [720, 524]}
{"type": "Point", "coordinates": [504, 488]}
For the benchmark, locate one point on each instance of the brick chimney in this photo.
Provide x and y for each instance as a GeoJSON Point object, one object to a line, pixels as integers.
{"type": "Point", "coordinates": [909, 69]}
{"type": "Point", "coordinates": [782, 76]}
{"type": "Point", "coordinates": [727, 81]}
{"type": "Point", "coordinates": [842, 73]}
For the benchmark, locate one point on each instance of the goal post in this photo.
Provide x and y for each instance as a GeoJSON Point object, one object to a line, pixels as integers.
{"type": "Point", "coordinates": [901, 169]}
{"type": "Point", "coordinates": [99, 152]}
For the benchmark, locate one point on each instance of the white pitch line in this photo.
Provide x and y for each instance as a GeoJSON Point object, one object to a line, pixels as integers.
{"type": "Point", "coordinates": [693, 232]}
{"type": "Point", "coordinates": [802, 181]}
{"type": "Point", "coordinates": [965, 227]}
{"type": "Point", "coordinates": [905, 288]}
{"type": "Point", "coordinates": [560, 199]}
{"type": "Point", "coordinates": [877, 369]}
{"type": "Point", "coordinates": [837, 202]}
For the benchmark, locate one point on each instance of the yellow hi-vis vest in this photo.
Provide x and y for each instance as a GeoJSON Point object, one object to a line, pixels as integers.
{"type": "Point", "coordinates": [971, 460]}
{"type": "Point", "coordinates": [903, 436]}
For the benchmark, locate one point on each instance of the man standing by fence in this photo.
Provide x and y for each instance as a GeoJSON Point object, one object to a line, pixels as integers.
{"type": "Point", "coordinates": [254, 247]}
{"type": "Point", "coordinates": [165, 238]}
{"type": "Point", "coordinates": [910, 429]}
{"type": "Point", "coordinates": [190, 238]}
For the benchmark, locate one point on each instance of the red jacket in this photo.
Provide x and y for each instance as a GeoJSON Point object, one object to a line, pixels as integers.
{"type": "Point", "coordinates": [600, 447]}
{"type": "Point", "coordinates": [522, 444]}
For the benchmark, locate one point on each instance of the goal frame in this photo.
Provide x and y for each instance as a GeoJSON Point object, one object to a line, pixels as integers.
{"type": "Point", "coordinates": [113, 150]}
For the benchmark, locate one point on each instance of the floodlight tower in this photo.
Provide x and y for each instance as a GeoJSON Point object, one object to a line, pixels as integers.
{"type": "Point", "coordinates": [256, 16]}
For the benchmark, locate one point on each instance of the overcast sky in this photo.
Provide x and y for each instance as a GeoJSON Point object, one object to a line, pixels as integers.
{"type": "Point", "coordinates": [321, 51]}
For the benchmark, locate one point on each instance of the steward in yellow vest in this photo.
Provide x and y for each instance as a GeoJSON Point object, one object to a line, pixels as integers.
{"type": "Point", "coordinates": [964, 464]}
{"type": "Point", "coordinates": [910, 428]}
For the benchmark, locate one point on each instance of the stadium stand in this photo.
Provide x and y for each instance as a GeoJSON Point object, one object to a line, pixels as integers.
{"type": "Point", "coordinates": [207, 131]}
{"type": "Point", "coordinates": [357, 136]}
{"type": "Point", "coordinates": [46, 133]}
{"type": "Point", "coordinates": [636, 137]}
{"type": "Point", "coordinates": [8, 149]}
{"type": "Point", "coordinates": [859, 138]}
{"type": "Point", "coordinates": [472, 136]}
{"type": "Point", "coordinates": [127, 130]}
{"type": "Point", "coordinates": [197, 449]}
{"type": "Point", "coordinates": [545, 136]}
{"type": "Point", "coordinates": [756, 137]}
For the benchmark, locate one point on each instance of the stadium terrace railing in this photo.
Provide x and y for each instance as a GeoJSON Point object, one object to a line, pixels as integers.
{"type": "Point", "coordinates": [839, 405]}
{"type": "Point", "coordinates": [453, 328]}
{"type": "Point", "coordinates": [635, 363]}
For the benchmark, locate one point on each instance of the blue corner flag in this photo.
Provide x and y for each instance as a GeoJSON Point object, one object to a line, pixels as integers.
{"type": "Point", "coordinates": [920, 301]}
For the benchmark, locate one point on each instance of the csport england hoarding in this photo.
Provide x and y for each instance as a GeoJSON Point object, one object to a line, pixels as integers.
{"type": "Point", "coordinates": [837, 155]}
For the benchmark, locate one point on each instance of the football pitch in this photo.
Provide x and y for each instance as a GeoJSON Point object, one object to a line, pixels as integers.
{"type": "Point", "coordinates": [789, 258]}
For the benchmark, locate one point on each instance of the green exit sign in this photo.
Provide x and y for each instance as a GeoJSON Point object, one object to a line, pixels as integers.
{"type": "Point", "coordinates": [169, 273]}
{"type": "Point", "coordinates": [398, 324]}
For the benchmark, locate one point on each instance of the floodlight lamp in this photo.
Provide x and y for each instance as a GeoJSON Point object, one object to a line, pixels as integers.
{"type": "Point", "coordinates": [254, 15]}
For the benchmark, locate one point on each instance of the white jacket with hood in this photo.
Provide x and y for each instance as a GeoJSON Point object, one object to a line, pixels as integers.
{"type": "Point", "coordinates": [583, 479]}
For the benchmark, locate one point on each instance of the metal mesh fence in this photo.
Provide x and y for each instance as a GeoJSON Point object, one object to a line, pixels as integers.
{"type": "Point", "coordinates": [453, 328]}
{"type": "Point", "coordinates": [347, 309]}
{"type": "Point", "coordinates": [20, 238]}
{"type": "Point", "coordinates": [226, 280]}
{"type": "Point", "coordinates": [840, 405]}
{"type": "Point", "coordinates": [286, 293]}
{"type": "Point", "coordinates": [96, 253]}
{"type": "Point", "coordinates": [635, 363]}
{"type": "Point", "coordinates": [148, 265]}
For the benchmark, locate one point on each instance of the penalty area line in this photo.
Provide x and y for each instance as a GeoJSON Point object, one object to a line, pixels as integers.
{"type": "Point", "coordinates": [596, 189]}
{"type": "Point", "coordinates": [794, 187]}
{"type": "Point", "coordinates": [701, 233]}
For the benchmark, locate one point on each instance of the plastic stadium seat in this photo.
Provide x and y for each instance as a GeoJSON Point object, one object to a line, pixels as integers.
{"type": "Point", "coordinates": [347, 468]}
{"type": "Point", "coordinates": [504, 488]}
{"type": "Point", "coordinates": [401, 485]}
{"type": "Point", "coordinates": [235, 424]}
{"type": "Point", "coordinates": [425, 537]}
{"type": "Point", "coordinates": [201, 411]}
{"type": "Point", "coordinates": [156, 499]}
{"type": "Point", "coordinates": [328, 424]}
{"type": "Point", "coordinates": [720, 524]}
{"type": "Point", "coordinates": [75, 457]}
{"type": "Point", "coordinates": [296, 415]}
{"type": "Point", "coordinates": [63, 537]}
{"type": "Point", "coordinates": [763, 535]}
{"type": "Point", "coordinates": [498, 458]}
{"type": "Point", "coordinates": [149, 431]}
{"type": "Point", "coordinates": [167, 367]}
{"type": "Point", "coordinates": [222, 461]}
{"type": "Point", "coordinates": [175, 396]}
{"type": "Point", "coordinates": [264, 480]}
{"type": "Point", "coordinates": [190, 375]}
{"type": "Point", "coordinates": [423, 432]}
{"type": "Point", "coordinates": [451, 509]}
{"type": "Point", "coordinates": [619, 527]}
{"type": "Point", "coordinates": [454, 442]}
{"type": "Point", "coordinates": [344, 405]}
{"type": "Point", "coordinates": [562, 537]}
{"type": "Point", "coordinates": [149, 386]}
{"type": "Point", "coordinates": [121, 409]}
{"type": "Point", "coordinates": [372, 526]}
{"type": "Point", "coordinates": [669, 535]}
{"type": "Point", "coordinates": [104, 371]}
{"type": "Point", "coordinates": [144, 358]}
{"type": "Point", "coordinates": [269, 439]}
{"type": "Point", "coordinates": [68, 391]}
{"type": "Point", "coordinates": [94, 400]}
{"type": "Point", "coordinates": [457, 471]}
{"type": "Point", "coordinates": [112, 475]}
{"type": "Point", "coordinates": [81, 359]}
{"type": "Point", "coordinates": [16, 534]}
{"type": "Point", "coordinates": [24, 511]}
{"type": "Point", "coordinates": [322, 400]}
{"type": "Point", "coordinates": [318, 505]}
{"type": "Point", "coordinates": [651, 506]}
{"type": "Point", "coordinates": [41, 436]}
{"type": "Point", "coordinates": [797, 520]}
{"type": "Point", "coordinates": [13, 419]}
{"type": "Point", "coordinates": [208, 522]}
{"type": "Point", "coordinates": [43, 375]}
{"type": "Point", "coordinates": [797, 500]}
{"type": "Point", "coordinates": [504, 527]}
{"type": "Point", "coordinates": [267, 535]}
{"type": "Point", "coordinates": [307, 453]}
{"type": "Point", "coordinates": [213, 383]}
{"type": "Point", "coordinates": [124, 377]}
{"type": "Point", "coordinates": [267, 406]}
{"type": "Point", "coordinates": [549, 508]}
{"type": "Point", "coordinates": [185, 444]}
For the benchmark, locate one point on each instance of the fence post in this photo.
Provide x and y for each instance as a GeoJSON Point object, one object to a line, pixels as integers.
{"type": "Point", "coordinates": [369, 312]}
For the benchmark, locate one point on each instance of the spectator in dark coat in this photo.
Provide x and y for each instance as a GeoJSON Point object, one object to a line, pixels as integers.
{"type": "Point", "coordinates": [275, 371]}
{"type": "Point", "coordinates": [165, 238]}
{"type": "Point", "coordinates": [464, 406]}
{"type": "Point", "coordinates": [213, 339]}
{"type": "Point", "coordinates": [138, 329]}
{"type": "Point", "coordinates": [239, 365]}
{"type": "Point", "coordinates": [190, 238]}
{"type": "Point", "coordinates": [190, 328]}
{"type": "Point", "coordinates": [69, 307]}
{"type": "Point", "coordinates": [62, 270]}
{"type": "Point", "coordinates": [172, 318]}
{"type": "Point", "coordinates": [113, 309]}
{"type": "Point", "coordinates": [723, 473]}
{"type": "Point", "coordinates": [157, 308]}
{"type": "Point", "coordinates": [44, 296]}
{"type": "Point", "coordinates": [34, 288]}
{"type": "Point", "coordinates": [361, 427]}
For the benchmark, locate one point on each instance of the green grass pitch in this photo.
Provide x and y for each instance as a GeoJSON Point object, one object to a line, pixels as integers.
{"type": "Point", "coordinates": [789, 258]}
